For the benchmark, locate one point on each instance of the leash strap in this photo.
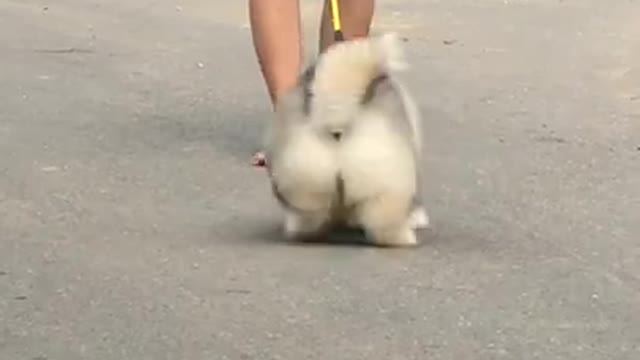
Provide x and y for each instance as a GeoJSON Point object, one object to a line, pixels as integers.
{"type": "Point", "coordinates": [335, 20]}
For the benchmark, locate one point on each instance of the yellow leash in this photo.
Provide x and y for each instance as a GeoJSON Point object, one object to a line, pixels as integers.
{"type": "Point", "coordinates": [335, 20]}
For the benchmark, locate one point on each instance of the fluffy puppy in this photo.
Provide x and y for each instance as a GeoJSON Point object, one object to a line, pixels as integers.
{"type": "Point", "coordinates": [344, 148]}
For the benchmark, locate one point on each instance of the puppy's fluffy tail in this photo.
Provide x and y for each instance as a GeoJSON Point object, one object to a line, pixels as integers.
{"type": "Point", "coordinates": [345, 73]}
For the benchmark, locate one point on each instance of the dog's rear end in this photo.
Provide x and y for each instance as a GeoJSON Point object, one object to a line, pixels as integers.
{"type": "Point", "coordinates": [345, 146]}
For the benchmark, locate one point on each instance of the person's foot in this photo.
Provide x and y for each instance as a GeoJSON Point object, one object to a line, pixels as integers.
{"type": "Point", "coordinates": [259, 159]}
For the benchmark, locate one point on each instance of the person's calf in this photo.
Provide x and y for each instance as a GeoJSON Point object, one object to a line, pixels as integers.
{"type": "Point", "coordinates": [275, 29]}
{"type": "Point", "coordinates": [356, 17]}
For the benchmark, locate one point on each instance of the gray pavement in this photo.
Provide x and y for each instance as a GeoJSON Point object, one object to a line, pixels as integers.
{"type": "Point", "coordinates": [132, 227]}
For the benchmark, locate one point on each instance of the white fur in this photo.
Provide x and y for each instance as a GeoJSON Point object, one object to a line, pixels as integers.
{"type": "Point", "coordinates": [377, 165]}
{"type": "Point", "coordinates": [344, 72]}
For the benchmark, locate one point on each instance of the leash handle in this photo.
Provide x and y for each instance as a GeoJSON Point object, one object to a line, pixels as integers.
{"type": "Point", "coordinates": [335, 20]}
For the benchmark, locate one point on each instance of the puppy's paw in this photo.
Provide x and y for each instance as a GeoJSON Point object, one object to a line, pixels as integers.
{"type": "Point", "coordinates": [303, 227]}
{"type": "Point", "coordinates": [406, 238]}
{"type": "Point", "coordinates": [401, 238]}
{"type": "Point", "coordinates": [419, 219]}
{"type": "Point", "coordinates": [292, 225]}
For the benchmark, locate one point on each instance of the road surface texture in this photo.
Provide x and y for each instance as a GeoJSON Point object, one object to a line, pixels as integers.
{"type": "Point", "coordinates": [133, 227]}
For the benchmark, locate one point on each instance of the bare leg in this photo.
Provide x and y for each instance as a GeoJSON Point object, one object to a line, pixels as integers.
{"type": "Point", "coordinates": [356, 16]}
{"type": "Point", "coordinates": [276, 32]}
{"type": "Point", "coordinates": [275, 28]}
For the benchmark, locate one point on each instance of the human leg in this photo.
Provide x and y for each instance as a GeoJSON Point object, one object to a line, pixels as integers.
{"type": "Point", "coordinates": [275, 29]}
{"type": "Point", "coordinates": [356, 16]}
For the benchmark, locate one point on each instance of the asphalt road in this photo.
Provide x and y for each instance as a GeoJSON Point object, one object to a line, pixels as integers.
{"type": "Point", "coordinates": [132, 226]}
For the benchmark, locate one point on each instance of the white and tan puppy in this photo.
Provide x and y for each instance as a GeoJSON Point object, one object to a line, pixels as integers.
{"type": "Point", "coordinates": [345, 146]}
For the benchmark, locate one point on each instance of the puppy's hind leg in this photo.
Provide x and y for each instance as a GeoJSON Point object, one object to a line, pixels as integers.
{"type": "Point", "coordinates": [419, 218]}
{"type": "Point", "coordinates": [304, 226]}
{"type": "Point", "coordinates": [386, 221]}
